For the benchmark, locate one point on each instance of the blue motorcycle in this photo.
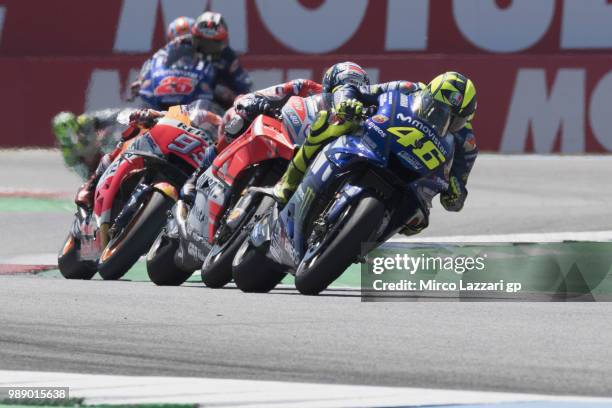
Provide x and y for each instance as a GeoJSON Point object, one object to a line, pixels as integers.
{"type": "Point", "coordinates": [357, 193]}
{"type": "Point", "coordinates": [179, 79]}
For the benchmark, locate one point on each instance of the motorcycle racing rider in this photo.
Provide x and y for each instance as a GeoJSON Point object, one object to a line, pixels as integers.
{"type": "Point", "coordinates": [449, 92]}
{"type": "Point", "coordinates": [83, 139]}
{"type": "Point", "coordinates": [201, 118]}
{"type": "Point", "coordinates": [207, 40]}
{"type": "Point", "coordinates": [273, 98]}
{"type": "Point", "coordinates": [267, 101]}
{"type": "Point", "coordinates": [178, 27]}
{"type": "Point", "coordinates": [270, 100]}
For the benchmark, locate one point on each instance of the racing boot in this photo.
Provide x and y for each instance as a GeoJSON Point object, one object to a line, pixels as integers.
{"type": "Point", "coordinates": [321, 132]}
{"type": "Point", "coordinates": [188, 191]}
{"type": "Point", "coordinates": [84, 197]}
{"type": "Point", "coordinates": [289, 182]}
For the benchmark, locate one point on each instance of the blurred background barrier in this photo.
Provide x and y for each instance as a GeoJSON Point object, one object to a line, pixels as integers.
{"type": "Point", "coordinates": [543, 69]}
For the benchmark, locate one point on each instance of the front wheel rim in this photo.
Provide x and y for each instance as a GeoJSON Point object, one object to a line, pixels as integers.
{"type": "Point", "coordinates": [317, 248]}
{"type": "Point", "coordinates": [117, 240]}
{"type": "Point", "coordinates": [154, 248]}
{"type": "Point", "coordinates": [68, 245]}
{"type": "Point", "coordinates": [240, 253]}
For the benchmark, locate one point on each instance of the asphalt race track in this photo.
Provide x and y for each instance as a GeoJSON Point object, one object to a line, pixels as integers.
{"type": "Point", "coordinates": [507, 194]}
{"type": "Point", "coordinates": [138, 329]}
{"type": "Point", "coordinates": [135, 328]}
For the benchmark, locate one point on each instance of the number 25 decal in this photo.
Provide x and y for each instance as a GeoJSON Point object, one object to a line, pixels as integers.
{"type": "Point", "coordinates": [427, 151]}
{"type": "Point", "coordinates": [174, 85]}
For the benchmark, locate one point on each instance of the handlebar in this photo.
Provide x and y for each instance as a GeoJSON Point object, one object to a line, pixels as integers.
{"type": "Point", "coordinates": [276, 113]}
{"type": "Point", "coordinates": [366, 113]}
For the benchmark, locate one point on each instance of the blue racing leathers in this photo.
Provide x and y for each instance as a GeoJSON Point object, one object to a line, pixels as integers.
{"type": "Point", "coordinates": [220, 78]}
{"type": "Point", "coordinates": [452, 189]}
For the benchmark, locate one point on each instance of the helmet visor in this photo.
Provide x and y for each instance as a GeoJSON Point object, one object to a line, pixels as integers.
{"type": "Point", "coordinates": [457, 123]}
{"type": "Point", "coordinates": [437, 114]}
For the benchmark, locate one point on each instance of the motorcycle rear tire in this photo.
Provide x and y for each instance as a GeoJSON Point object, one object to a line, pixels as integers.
{"type": "Point", "coordinates": [218, 272]}
{"type": "Point", "coordinates": [70, 266]}
{"type": "Point", "coordinates": [137, 239]}
{"type": "Point", "coordinates": [253, 271]}
{"type": "Point", "coordinates": [161, 268]}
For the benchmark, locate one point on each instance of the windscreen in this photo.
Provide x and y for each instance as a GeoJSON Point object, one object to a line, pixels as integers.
{"type": "Point", "coordinates": [435, 113]}
{"type": "Point", "coordinates": [181, 58]}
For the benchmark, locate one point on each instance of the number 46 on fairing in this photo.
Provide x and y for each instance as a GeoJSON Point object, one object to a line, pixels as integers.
{"type": "Point", "coordinates": [427, 151]}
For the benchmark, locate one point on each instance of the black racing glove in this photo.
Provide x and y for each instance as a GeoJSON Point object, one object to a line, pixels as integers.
{"type": "Point", "coordinates": [146, 118]}
{"type": "Point", "coordinates": [253, 106]}
{"type": "Point", "coordinates": [454, 198]}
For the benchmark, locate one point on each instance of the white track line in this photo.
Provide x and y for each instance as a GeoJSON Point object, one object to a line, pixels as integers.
{"type": "Point", "coordinates": [31, 259]}
{"type": "Point", "coordinates": [595, 236]}
{"type": "Point", "coordinates": [107, 389]}
{"type": "Point", "coordinates": [35, 192]}
{"type": "Point", "coordinates": [522, 156]}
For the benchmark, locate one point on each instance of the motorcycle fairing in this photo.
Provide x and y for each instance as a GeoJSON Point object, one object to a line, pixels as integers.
{"type": "Point", "coordinates": [111, 180]}
{"type": "Point", "coordinates": [393, 131]}
{"type": "Point", "coordinates": [211, 198]}
{"type": "Point", "coordinates": [171, 135]}
{"type": "Point", "coordinates": [173, 85]}
{"type": "Point", "coordinates": [265, 139]}
{"type": "Point", "coordinates": [298, 113]}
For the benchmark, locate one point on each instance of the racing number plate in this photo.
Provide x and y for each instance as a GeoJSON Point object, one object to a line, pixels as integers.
{"type": "Point", "coordinates": [412, 138]}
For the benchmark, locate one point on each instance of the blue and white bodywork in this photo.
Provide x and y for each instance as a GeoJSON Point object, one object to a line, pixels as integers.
{"type": "Point", "coordinates": [394, 154]}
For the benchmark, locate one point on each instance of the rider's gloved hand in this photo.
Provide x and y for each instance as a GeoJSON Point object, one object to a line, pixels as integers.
{"type": "Point", "coordinates": [145, 118]}
{"type": "Point", "coordinates": [454, 198]}
{"type": "Point", "coordinates": [350, 109]}
{"type": "Point", "coordinates": [134, 89]}
{"type": "Point", "coordinates": [324, 127]}
{"type": "Point", "coordinates": [251, 106]}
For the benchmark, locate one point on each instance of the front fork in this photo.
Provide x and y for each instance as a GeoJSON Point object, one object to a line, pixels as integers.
{"type": "Point", "coordinates": [347, 195]}
{"type": "Point", "coordinates": [136, 199]}
{"type": "Point", "coordinates": [130, 208]}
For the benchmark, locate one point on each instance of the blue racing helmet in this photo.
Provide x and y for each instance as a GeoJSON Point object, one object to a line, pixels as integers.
{"type": "Point", "coordinates": [344, 73]}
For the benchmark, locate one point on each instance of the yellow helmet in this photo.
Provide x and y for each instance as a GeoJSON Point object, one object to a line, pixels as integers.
{"type": "Point", "coordinates": [459, 93]}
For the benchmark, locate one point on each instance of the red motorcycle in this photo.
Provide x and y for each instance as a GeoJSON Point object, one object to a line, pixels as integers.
{"type": "Point", "coordinates": [132, 198]}
{"type": "Point", "coordinates": [208, 232]}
